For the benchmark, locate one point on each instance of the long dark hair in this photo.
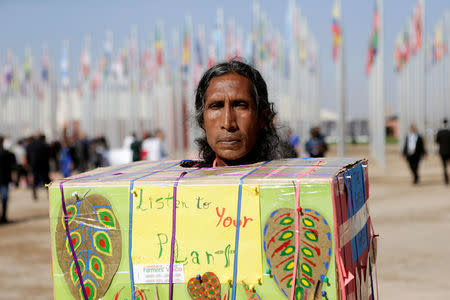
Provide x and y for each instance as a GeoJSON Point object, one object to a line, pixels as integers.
{"type": "Point", "coordinates": [266, 146]}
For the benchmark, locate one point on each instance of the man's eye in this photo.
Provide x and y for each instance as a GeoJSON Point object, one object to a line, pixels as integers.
{"type": "Point", "coordinates": [241, 104]}
{"type": "Point", "coordinates": [215, 105]}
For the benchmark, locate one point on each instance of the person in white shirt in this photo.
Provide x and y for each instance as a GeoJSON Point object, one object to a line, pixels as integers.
{"type": "Point", "coordinates": [414, 151]}
{"type": "Point", "coordinates": [153, 147]}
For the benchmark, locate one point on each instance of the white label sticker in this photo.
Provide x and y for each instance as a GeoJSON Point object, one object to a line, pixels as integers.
{"type": "Point", "coordinates": [158, 273]}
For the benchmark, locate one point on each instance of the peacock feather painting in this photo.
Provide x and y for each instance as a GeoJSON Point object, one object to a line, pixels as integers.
{"type": "Point", "coordinates": [96, 239]}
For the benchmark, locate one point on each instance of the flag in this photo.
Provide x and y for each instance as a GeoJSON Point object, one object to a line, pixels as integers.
{"type": "Point", "coordinates": [198, 47]}
{"type": "Point", "coordinates": [105, 63]}
{"type": "Point", "coordinates": [373, 41]}
{"type": "Point", "coordinates": [418, 26]}
{"type": "Point", "coordinates": [229, 40]}
{"type": "Point", "coordinates": [145, 67]}
{"type": "Point", "coordinates": [158, 46]}
{"type": "Point", "coordinates": [211, 53]}
{"type": "Point", "coordinates": [27, 65]}
{"type": "Point", "coordinates": [260, 39]}
{"type": "Point", "coordinates": [117, 70]}
{"type": "Point", "coordinates": [238, 48]}
{"type": "Point", "coordinates": [85, 61]}
{"type": "Point", "coordinates": [406, 47]}
{"type": "Point", "coordinates": [125, 61]}
{"type": "Point", "coordinates": [44, 64]}
{"type": "Point", "coordinates": [398, 58]}
{"type": "Point", "coordinates": [336, 29]}
{"type": "Point", "coordinates": [64, 65]}
{"type": "Point", "coordinates": [438, 42]}
{"type": "Point", "coordinates": [96, 81]}
{"type": "Point", "coordinates": [186, 46]}
{"type": "Point", "coordinates": [8, 70]}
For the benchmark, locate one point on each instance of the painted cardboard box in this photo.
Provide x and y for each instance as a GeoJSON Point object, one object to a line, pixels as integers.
{"type": "Point", "coordinates": [156, 230]}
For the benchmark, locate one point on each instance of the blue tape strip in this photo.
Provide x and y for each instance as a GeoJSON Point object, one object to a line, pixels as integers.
{"type": "Point", "coordinates": [131, 223]}
{"type": "Point", "coordinates": [238, 226]}
{"type": "Point", "coordinates": [356, 195]}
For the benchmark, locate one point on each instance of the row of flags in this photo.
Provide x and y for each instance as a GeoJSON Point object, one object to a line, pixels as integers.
{"type": "Point", "coordinates": [437, 46]}
{"type": "Point", "coordinates": [263, 44]}
{"type": "Point", "coordinates": [410, 40]}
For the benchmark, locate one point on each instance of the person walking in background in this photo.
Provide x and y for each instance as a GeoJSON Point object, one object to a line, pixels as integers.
{"type": "Point", "coordinates": [39, 161]}
{"type": "Point", "coordinates": [316, 145]}
{"type": "Point", "coordinates": [294, 141]}
{"type": "Point", "coordinates": [82, 145]}
{"type": "Point", "coordinates": [153, 147]}
{"type": "Point", "coordinates": [21, 171]}
{"type": "Point", "coordinates": [55, 149]}
{"type": "Point", "coordinates": [7, 162]}
{"type": "Point", "coordinates": [135, 147]}
{"type": "Point", "coordinates": [443, 140]}
{"type": "Point", "coordinates": [100, 151]}
{"type": "Point", "coordinates": [65, 159]}
{"type": "Point", "coordinates": [414, 151]}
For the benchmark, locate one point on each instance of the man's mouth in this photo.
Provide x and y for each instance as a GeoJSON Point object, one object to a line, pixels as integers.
{"type": "Point", "coordinates": [229, 141]}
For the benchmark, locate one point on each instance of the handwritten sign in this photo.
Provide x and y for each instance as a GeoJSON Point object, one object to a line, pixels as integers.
{"type": "Point", "coordinates": [205, 229]}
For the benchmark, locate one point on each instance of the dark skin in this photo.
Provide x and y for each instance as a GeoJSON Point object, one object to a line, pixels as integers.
{"type": "Point", "coordinates": [231, 121]}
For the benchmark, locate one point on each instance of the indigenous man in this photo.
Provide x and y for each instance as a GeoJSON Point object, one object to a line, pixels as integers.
{"type": "Point", "coordinates": [233, 109]}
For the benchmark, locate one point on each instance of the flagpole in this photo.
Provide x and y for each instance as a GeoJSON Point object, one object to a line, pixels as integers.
{"type": "Point", "coordinates": [380, 91]}
{"type": "Point", "coordinates": [445, 61]}
{"type": "Point", "coordinates": [340, 84]}
{"type": "Point", "coordinates": [424, 78]}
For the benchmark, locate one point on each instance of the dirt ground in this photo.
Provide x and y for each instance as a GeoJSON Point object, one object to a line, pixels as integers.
{"type": "Point", "coordinates": [413, 223]}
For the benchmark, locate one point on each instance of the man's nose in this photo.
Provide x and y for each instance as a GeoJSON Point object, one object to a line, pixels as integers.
{"type": "Point", "coordinates": [229, 119]}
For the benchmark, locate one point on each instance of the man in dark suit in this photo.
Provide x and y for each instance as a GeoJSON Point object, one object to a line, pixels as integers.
{"type": "Point", "coordinates": [443, 140]}
{"type": "Point", "coordinates": [414, 150]}
{"type": "Point", "coordinates": [38, 156]}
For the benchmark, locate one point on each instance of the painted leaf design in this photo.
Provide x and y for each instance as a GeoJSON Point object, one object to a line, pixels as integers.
{"type": "Point", "coordinates": [139, 295]}
{"type": "Point", "coordinates": [95, 235]}
{"type": "Point", "coordinates": [206, 287]}
{"type": "Point", "coordinates": [314, 251]}
{"type": "Point", "coordinates": [250, 293]}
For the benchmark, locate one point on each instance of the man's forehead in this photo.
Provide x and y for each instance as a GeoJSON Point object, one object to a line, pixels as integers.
{"type": "Point", "coordinates": [229, 84]}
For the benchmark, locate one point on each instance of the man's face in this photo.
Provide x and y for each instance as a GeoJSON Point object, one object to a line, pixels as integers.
{"type": "Point", "coordinates": [231, 121]}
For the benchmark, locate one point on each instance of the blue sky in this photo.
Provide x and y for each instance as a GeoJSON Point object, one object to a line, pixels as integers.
{"type": "Point", "coordinates": [31, 22]}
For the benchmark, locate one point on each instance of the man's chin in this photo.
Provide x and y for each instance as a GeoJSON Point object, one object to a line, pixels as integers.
{"type": "Point", "coordinates": [233, 158]}
{"type": "Point", "coordinates": [230, 154]}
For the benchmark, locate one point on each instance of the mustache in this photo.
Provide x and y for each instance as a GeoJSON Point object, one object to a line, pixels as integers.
{"type": "Point", "coordinates": [225, 137]}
